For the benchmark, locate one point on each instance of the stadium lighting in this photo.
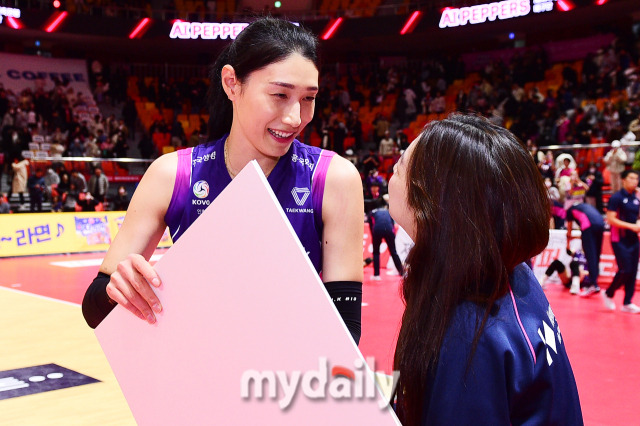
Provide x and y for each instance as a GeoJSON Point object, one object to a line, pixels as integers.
{"type": "Point", "coordinates": [333, 26]}
{"type": "Point", "coordinates": [565, 5]}
{"type": "Point", "coordinates": [277, 4]}
{"type": "Point", "coordinates": [14, 23]}
{"type": "Point", "coordinates": [411, 23]}
{"type": "Point", "coordinates": [137, 31]}
{"type": "Point", "coordinates": [55, 21]}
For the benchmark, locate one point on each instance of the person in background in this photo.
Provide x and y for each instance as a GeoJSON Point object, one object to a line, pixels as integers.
{"type": "Point", "coordinates": [5, 207]}
{"type": "Point", "coordinates": [36, 186]}
{"type": "Point", "coordinates": [20, 175]}
{"type": "Point", "coordinates": [615, 161]}
{"type": "Point", "coordinates": [387, 146]}
{"type": "Point", "coordinates": [469, 348]}
{"type": "Point", "coordinates": [98, 185]}
{"type": "Point", "coordinates": [121, 200]}
{"type": "Point", "coordinates": [623, 210]}
{"type": "Point", "coordinates": [592, 230]}
{"type": "Point", "coordinates": [594, 180]}
{"type": "Point", "coordinates": [382, 227]}
{"type": "Point", "coordinates": [571, 277]}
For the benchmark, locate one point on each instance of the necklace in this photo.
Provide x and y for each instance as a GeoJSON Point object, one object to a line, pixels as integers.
{"type": "Point", "coordinates": [227, 162]}
{"type": "Point", "coordinates": [230, 169]}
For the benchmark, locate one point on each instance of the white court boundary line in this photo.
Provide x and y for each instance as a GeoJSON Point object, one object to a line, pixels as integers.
{"type": "Point", "coordinates": [39, 296]}
{"type": "Point", "coordinates": [83, 263]}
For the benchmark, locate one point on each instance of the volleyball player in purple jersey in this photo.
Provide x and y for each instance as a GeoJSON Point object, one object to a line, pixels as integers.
{"type": "Point", "coordinates": [479, 343]}
{"type": "Point", "coordinates": [263, 88]}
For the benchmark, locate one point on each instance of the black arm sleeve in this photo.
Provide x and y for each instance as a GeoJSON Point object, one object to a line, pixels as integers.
{"type": "Point", "coordinates": [96, 304]}
{"type": "Point", "coordinates": [347, 297]}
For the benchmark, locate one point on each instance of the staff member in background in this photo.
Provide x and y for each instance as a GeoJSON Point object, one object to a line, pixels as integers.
{"type": "Point", "coordinates": [382, 227]}
{"type": "Point", "coordinates": [615, 161]}
{"type": "Point", "coordinates": [592, 227]}
{"type": "Point", "coordinates": [98, 185]}
{"type": "Point", "coordinates": [622, 214]}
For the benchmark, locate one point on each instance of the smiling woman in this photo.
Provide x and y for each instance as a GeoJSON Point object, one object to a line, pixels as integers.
{"type": "Point", "coordinates": [262, 92]}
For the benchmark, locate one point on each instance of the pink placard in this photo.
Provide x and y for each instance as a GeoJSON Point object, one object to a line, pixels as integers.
{"type": "Point", "coordinates": [244, 313]}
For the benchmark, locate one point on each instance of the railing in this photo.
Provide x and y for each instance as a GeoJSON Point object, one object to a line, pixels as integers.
{"type": "Point", "coordinates": [588, 146]}
{"type": "Point", "coordinates": [120, 170]}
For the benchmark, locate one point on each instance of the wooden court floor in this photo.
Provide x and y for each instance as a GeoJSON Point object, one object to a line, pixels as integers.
{"type": "Point", "coordinates": [42, 324]}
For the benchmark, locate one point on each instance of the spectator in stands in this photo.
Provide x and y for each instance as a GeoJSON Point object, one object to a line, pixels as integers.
{"type": "Point", "coordinates": [461, 101]}
{"type": "Point", "coordinates": [387, 146]}
{"type": "Point", "coordinates": [575, 190]}
{"type": "Point", "coordinates": [263, 87]}
{"type": "Point", "coordinates": [381, 125]}
{"type": "Point", "coordinates": [76, 148]}
{"type": "Point", "coordinates": [457, 313]}
{"type": "Point", "coordinates": [375, 185]}
{"type": "Point", "coordinates": [51, 181]}
{"type": "Point", "coordinates": [402, 141]}
{"type": "Point", "coordinates": [5, 207]}
{"type": "Point", "coordinates": [36, 186]}
{"type": "Point", "coordinates": [438, 104]}
{"type": "Point", "coordinates": [634, 127]}
{"type": "Point", "coordinates": [615, 160]}
{"type": "Point", "coordinates": [121, 147]}
{"type": "Point", "coordinates": [370, 162]}
{"type": "Point", "coordinates": [70, 198]}
{"type": "Point", "coordinates": [20, 175]}
{"type": "Point", "coordinates": [56, 203]}
{"type": "Point", "coordinates": [98, 185]}
{"type": "Point", "coordinates": [565, 165]}
{"type": "Point", "coordinates": [558, 213]}
{"type": "Point", "coordinates": [78, 178]}
{"type": "Point", "coordinates": [91, 147]}
{"type": "Point", "coordinates": [547, 166]}
{"type": "Point", "coordinates": [121, 200]}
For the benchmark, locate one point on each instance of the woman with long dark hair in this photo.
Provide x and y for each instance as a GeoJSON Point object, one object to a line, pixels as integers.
{"type": "Point", "coordinates": [263, 89]}
{"type": "Point", "coordinates": [479, 343]}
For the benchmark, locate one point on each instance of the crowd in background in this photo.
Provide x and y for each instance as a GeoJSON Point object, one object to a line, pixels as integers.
{"type": "Point", "coordinates": [567, 116]}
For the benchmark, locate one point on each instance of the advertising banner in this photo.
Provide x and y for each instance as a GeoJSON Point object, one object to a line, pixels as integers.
{"type": "Point", "coordinates": [19, 72]}
{"type": "Point", "coordinates": [46, 233]}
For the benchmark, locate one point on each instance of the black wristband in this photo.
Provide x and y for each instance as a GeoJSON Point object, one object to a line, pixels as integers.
{"type": "Point", "coordinates": [347, 297]}
{"type": "Point", "coordinates": [96, 304]}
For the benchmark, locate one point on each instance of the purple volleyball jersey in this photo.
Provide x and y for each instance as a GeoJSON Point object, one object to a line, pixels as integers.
{"type": "Point", "coordinates": [297, 181]}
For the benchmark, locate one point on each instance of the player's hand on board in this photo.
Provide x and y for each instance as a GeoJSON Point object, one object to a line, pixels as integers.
{"type": "Point", "coordinates": [130, 287]}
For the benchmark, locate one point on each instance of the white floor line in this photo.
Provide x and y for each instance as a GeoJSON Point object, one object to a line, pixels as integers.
{"type": "Point", "coordinates": [91, 262]}
{"type": "Point", "coordinates": [39, 296]}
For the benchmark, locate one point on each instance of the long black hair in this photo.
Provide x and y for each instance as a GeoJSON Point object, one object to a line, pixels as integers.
{"type": "Point", "coordinates": [263, 42]}
{"type": "Point", "coordinates": [480, 209]}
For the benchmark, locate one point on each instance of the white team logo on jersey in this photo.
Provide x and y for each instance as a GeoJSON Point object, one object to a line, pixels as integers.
{"type": "Point", "coordinates": [300, 195]}
{"type": "Point", "coordinates": [201, 189]}
{"type": "Point", "coordinates": [549, 335]}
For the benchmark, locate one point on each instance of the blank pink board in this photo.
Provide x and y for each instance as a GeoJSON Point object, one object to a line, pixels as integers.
{"type": "Point", "coordinates": [240, 297]}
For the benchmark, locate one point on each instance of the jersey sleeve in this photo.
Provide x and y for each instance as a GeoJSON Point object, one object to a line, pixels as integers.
{"type": "Point", "coordinates": [614, 203]}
